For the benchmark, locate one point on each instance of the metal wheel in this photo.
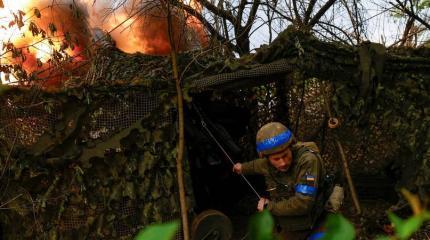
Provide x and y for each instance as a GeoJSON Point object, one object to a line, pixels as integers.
{"type": "Point", "coordinates": [211, 225]}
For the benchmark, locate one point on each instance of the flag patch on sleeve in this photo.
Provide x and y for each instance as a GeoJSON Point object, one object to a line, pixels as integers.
{"type": "Point", "coordinates": [310, 178]}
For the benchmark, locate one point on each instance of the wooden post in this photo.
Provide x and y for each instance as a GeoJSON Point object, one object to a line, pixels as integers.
{"type": "Point", "coordinates": [181, 140]}
{"type": "Point", "coordinates": [342, 154]}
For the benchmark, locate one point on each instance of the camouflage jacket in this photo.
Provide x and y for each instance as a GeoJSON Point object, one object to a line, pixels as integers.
{"type": "Point", "coordinates": [294, 195]}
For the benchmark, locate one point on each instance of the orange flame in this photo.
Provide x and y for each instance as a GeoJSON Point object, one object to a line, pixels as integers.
{"type": "Point", "coordinates": [147, 32]}
{"type": "Point", "coordinates": [65, 34]}
{"type": "Point", "coordinates": [197, 25]}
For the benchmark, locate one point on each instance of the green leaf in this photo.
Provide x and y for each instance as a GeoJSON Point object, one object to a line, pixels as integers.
{"type": "Point", "coordinates": [424, 4]}
{"type": "Point", "coordinates": [261, 226]}
{"type": "Point", "coordinates": [338, 227]}
{"type": "Point", "coordinates": [405, 228]}
{"type": "Point", "coordinates": [409, 227]}
{"type": "Point", "coordinates": [394, 219]}
{"type": "Point", "coordinates": [164, 231]}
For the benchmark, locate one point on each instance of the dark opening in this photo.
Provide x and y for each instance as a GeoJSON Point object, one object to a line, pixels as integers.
{"type": "Point", "coordinates": [215, 185]}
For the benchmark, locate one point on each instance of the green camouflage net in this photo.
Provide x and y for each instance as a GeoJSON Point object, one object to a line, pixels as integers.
{"type": "Point", "coordinates": [379, 96]}
{"type": "Point", "coordinates": [97, 160]}
{"type": "Point", "coordinates": [99, 165]}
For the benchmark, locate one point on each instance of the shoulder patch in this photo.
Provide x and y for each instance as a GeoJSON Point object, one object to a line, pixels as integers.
{"type": "Point", "coordinates": [309, 178]}
{"type": "Point", "coordinates": [305, 190]}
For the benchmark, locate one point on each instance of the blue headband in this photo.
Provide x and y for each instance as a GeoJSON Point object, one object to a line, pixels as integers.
{"type": "Point", "coordinates": [274, 142]}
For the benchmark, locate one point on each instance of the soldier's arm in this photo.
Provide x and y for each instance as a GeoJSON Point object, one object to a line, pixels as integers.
{"type": "Point", "coordinates": [306, 190]}
{"type": "Point", "coordinates": [257, 166]}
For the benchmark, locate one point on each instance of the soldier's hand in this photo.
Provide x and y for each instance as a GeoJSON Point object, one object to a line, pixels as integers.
{"type": "Point", "coordinates": [237, 168]}
{"type": "Point", "coordinates": [262, 204]}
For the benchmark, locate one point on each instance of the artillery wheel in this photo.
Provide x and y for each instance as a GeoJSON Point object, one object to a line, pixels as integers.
{"type": "Point", "coordinates": [211, 225]}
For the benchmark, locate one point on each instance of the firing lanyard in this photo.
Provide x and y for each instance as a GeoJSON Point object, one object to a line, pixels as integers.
{"type": "Point", "coordinates": [204, 125]}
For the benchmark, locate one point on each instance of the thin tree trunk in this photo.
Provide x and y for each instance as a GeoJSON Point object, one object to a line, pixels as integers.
{"type": "Point", "coordinates": [181, 141]}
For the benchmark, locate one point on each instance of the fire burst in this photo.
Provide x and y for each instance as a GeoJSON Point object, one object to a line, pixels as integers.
{"type": "Point", "coordinates": [50, 39]}
{"type": "Point", "coordinates": [141, 26]}
{"type": "Point", "coordinates": [46, 40]}
{"type": "Point", "coordinates": [9, 32]}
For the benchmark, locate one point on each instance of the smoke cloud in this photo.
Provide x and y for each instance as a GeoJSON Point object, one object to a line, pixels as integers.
{"type": "Point", "coordinates": [142, 26]}
{"type": "Point", "coordinates": [135, 26]}
{"type": "Point", "coordinates": [67, 33]}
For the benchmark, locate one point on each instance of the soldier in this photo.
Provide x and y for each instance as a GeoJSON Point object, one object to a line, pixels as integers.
{"type": "Point", "coordinates": [294, 174]}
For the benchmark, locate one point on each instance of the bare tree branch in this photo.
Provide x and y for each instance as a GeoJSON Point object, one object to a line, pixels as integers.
{"type": "Point", "coordinates": [408, 27]}
{"type": "Point", "coordinates": [207, 24]}
{"type": "Point", "coordinates": [351, 41]}
{"type": "Point", "coordinates": [252, 14]}
{"type": "Point", "coordinates": [296, 12]}
{"type": "Point", "coordinates": [402, 7]}
{"type": "Point", "coordinates": [411, 34]}
{"type": "Point", "coordinates": [320, 13]}
{"type": "Point", "coordinates": [354, 20]}
{"type": "Point", "coordinates": [218, 11]}
{"type": "Point", "coordinates": [309, 11]}
{"type": "Point", "coordinates": [240, 10]}
{"type": "Point", "coordinates": [270, 15]}
{"type": "Point", "coordinates": [275, 10]}
{"type": "Point", "coordinates": [224, 22]}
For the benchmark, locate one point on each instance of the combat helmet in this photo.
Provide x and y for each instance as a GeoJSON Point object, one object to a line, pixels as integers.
{"type": "Point", "coordinates": [273, 137]}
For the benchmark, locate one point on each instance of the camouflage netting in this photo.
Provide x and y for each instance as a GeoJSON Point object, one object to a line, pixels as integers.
{"type": "Point", "coordinates": [380, 96]}
{"type": "Point", "coordinates": [97, 160]}
{"type": "Point", "coordinates": [91, 162]}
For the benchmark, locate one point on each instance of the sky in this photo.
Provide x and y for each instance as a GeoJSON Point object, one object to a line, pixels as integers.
{"type": "Point", "coordinates": [378, 21]}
